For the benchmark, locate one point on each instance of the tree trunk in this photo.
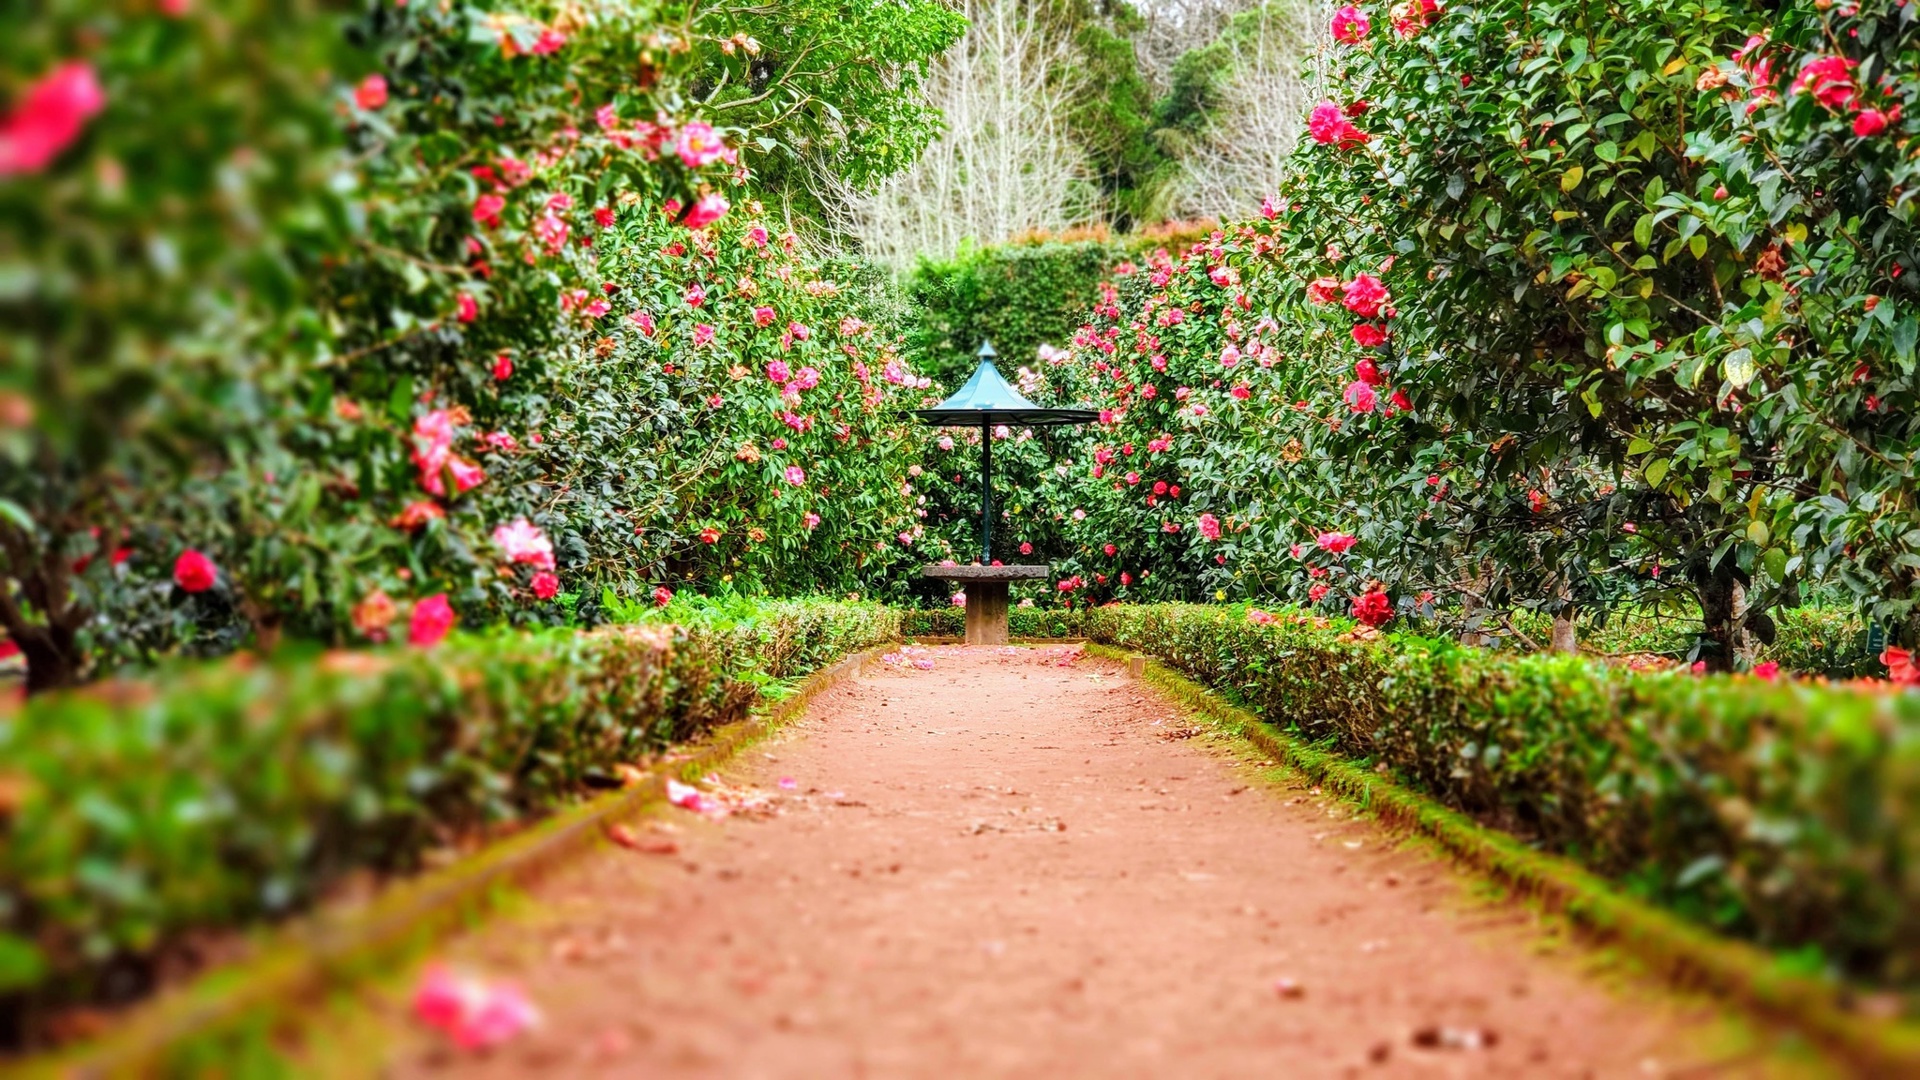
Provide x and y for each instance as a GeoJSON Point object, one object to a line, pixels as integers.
{"type": "Point", "coordinates": [1566, 639]}
{"type": "Point", "coordinates": [53, 658]}
{"type": "Point", "coordinates": [1723, 611]}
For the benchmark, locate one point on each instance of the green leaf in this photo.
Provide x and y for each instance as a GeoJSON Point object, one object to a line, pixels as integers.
{"type": "Point", "coordinates": [1656, 471]}
{"type": "Point", "coordinates": [1571, 178]}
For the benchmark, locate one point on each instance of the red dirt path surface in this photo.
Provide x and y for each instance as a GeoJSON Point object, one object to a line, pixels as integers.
{"type": "Point", "coordinates": [1013, 865]}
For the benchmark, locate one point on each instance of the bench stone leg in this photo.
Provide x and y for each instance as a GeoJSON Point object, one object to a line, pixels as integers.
{"type": "Point", "coordinates": [986, 612]}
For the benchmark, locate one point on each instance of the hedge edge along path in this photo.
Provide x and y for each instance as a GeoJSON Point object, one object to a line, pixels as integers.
{"type": "Point", "coordinates": [324, 952]}
{"type": "Point", "coordinates": [1682, 953]}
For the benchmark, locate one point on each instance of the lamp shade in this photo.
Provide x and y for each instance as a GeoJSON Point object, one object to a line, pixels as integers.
{"type": "Point", "coordinates": [988, 399]}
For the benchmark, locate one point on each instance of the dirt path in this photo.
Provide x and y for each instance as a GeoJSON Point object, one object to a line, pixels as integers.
{"type": "Point", "coordinates": [1005, 866]}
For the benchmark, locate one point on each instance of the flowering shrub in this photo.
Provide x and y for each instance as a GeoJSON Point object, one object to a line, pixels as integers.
{"type": "Point", "coordinates": [295, 286]}
{"type": "Point", "coordinates": [224, 795]}
{"type": "Point", "coordinates": [1780, 811]}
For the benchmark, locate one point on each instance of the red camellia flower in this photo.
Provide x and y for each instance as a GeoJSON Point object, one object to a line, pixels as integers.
{"type": "Point", "coordinates": [1336, 542]}
{"type": "Point", "coordinates": [1321, 290]}
{"type": "Point", "coordinates": [546, 585]}
{"type": "Point", "coordinates": [706, 210]}
{"type": "Point", "coordinates": [1399, 400]}
{"type": "Point", "coordinates": [1900, 666]}
{"type": "Point", "coordinates": [486, 210]}
{"type": "Point", "coordinates": [8, 649]}
{"type": "Point", "coordinates": [1110, 549]}
{"type": "Point", "coordinates": [1830, 80]}
{"type": "Point", "coordinates": [1329, 126]}
{"type": "Point", "coordinates": [709, 535]}
{"type": "Point", "coordinates": [466, 309]}
{"type": "Point", "coordinates": [1871, 122]}
{"type": "Point", "coordinates": [1373, 608]}
{"type": "Point", "coordinates": [431, 620]}
{"type": "Point", "coordinates": [371, 93]}
{"type": "Point", "coordinates": [1026, 549]}
{"type": "Point", "coordinates": [662, 596]}
{"type": "Point", "coordinates": [1368, 372]}
{"type": "Point", "coordinates": [1367, 335]}
{"type": "Point", "coordinates": [1350, 25]}
{"type": "Point", "coordinates": [1364, 295]}
{"type": "Point", "coordinates": [49, 117]}
{"type": "Point", "coordinates": [1768, 670]}
{"type": "Point", "coordinates": [194, 572]}
{"type": "Point", "coordinates": [502, 368]}
{"type": "Point", "coordinates": [1318, 593]}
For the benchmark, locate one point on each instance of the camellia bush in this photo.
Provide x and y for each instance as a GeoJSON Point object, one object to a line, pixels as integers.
{"type": "Point", "coordinates": [1561, 307]}
{"type": "Point", "coordinates": [297, 288]}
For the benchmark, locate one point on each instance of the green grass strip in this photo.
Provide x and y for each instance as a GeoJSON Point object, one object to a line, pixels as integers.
{"type": "Point", "coordinates": [1679, 951]}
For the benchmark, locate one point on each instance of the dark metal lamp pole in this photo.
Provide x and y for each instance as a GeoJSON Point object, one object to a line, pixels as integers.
{"type": "Point", "coordinates": [986, 473]}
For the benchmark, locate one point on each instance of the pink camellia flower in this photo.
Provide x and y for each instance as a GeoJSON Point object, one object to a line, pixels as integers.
{"type": "Point", "coordinates": [546, 585]}
{"type": "Point", "coordinates": [959, 599]}
{"type": "Point", "coordinates": [466, 475]}
{"type": "Point", "coordinates": [502, 368]}
{"type": "Point", "coordinates": [432, 447]}
{"type": "Point", "coordinates": [706, 210]}
{"type": "Point", "coordinates": [193, 572]}
{"type": "Point", "coordinates": [1318, 593]}
{"type": "Point", "coordinates": [430, 621]}
{"type": "Point", "coordinates": [812, 519]}
{"type": "Point", "coordinates": [1360, 397]}
{"type": "Point", "coordinates": [699, 145]}
{"type": "Point", "coordinates": [778, 372]}
{"type": "Point", "coordinates": [702, 335]}
{"type": "Point", "coordinates": [466, 309]}
{"type": "Point", "coordinates": [1767, 669]}
{"type": "Point", "coordinates": [796, 475]}
{"type": "Point", "coordinates": [1321, 290]}
{"type": "Point", "coordinates": [1335, 542]}
{"type": "Point", "coordinates": [1241, 392]}
{"type": "Point", "coordinates": [1350, 25]}
{"type": "Point", "coordinates": [799, 331]}
{"type": "Point", "coordinates": [643, 320]}
{"type": "Point", "coordinates": [1414, 16]}
{"type": "Point", "coordinates": [550, 41]}
{"type": "Point", "coordinates": [49, 117]}
{"type": "Point", "coordinates": [1229, 356]}
{"type": "Point", "coordinates": [756, 237]}
{"type": "Point", "coordinates": [1328, 125]}
{"type": "Point", "coordinates": [1830, 80]}
{"type": "Point", "coordinates": [695, 295]}
{"type": "Point", "coordinates": [486, 210]}
{"type": "Point", "coordinates": [523, 542]}
{"type": "Point", "coordinates": [474, 1014]}
{"type": "Point", "coordinates": [1373, 608]}
{"type": "Point", "coordinates": [764, 316]}
{"type": "Point", "coordinates": [806, 379]}
{"type": "Point", "coordinates": [1364, 295]}
{"type": "Point", "coordinates": [371, 94]}
{"type": "Point", "coordinates": [1258, 617]}
{"type": "Point", "coordinates": [1871, 122]}
{"type": "Point", "coordinates": [1367, 335]}
{"type": "Point", "coordinates": [1269, 208]}
{"type": "Point", "coordinates": [1209, 526]}
{"type": "Point", "coordinates": [662, 596]}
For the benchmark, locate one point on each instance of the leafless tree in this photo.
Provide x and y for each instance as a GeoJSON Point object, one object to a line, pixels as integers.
{"type": "Point", "coordinates": [1007, 164]}
{"type": "Point", "coordinates": [1262, 106]}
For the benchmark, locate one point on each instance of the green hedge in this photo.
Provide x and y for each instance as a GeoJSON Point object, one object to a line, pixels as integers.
{"type": "Point", "coordinates": [1021, 296]}
{"type": "Point", "coordinates": [1786, 812]}
{"type": "Point", "coordinates": [1021, 622]}
{"type": "Point", "coordinates": [137, 814]}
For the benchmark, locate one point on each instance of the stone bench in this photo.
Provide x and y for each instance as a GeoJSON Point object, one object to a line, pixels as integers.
{"type": "Point", "coordinates": [986, 589]}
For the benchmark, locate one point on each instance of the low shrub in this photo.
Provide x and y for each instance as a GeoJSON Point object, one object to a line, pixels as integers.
{"type": "Point", "coordinates": [1021, 622]}
{"type": "Point", "coordinates": [1780, 811]}
{"type": "Point", "coordinates": [136, 817]}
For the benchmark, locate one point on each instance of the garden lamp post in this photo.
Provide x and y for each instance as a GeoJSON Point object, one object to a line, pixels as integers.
{"type": "Point", "coordinates": [985, 402]}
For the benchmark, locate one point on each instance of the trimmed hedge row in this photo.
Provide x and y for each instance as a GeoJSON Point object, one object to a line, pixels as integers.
{"type": "Point", "coordinates": [137, 816]}
{"type": "Point", "coordinates": [1786, 812]}
{"type": "Point", "coordinates": [1021, 622]}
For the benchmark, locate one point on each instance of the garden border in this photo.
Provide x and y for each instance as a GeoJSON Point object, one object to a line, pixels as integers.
{"type": "Point", "coordinates": [324, 950]}
{"type": "Point", "coordinates": [1683, 954]}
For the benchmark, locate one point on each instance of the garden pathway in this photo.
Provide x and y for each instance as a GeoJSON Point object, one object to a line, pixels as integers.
{"type": "Point", "coordinates": [1023, 863]}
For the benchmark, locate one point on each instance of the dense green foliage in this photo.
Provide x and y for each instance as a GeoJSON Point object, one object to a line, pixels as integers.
{"type": "Point", "coordinates": [302, 288]}
{"type": "Point", "coordinates": [1782, 811]}
{"type": "Point", "coordinates": [218, 796]}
